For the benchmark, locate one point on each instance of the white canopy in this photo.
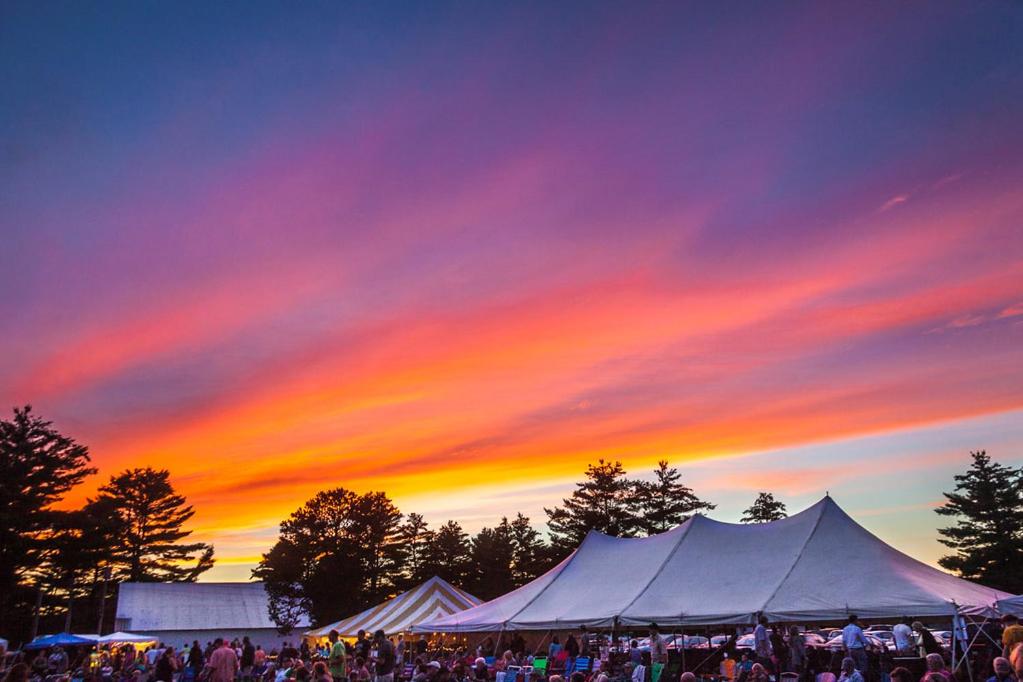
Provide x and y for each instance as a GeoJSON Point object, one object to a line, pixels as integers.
{"type": "Point", "coordinates": [125, 638]}
{"type": "Point", "coordinates": [816, 565]}
{"type": "Point", "coordinates": [432, 599]}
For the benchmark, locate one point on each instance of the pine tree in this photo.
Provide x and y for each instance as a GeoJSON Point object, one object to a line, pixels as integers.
{"type": "Point", "coordinates": [148, 518]}
{"type": "Point", "coordinates": [665, 502]}
{"type": "Point", "coordinates": [604, 502]}
{"type": "Point", "coordinates": [492, 555]}
{"type": "Point", "coordinates": [380, 553]}
{"type": "Point", "coordinates": [415, 537]}
{"type": "Point", "coordinates": [531, 558]}
{"type": "Point", "coordinates": [765, 508]}
{"type": "Point", "coordinates": [448, 555]}
{"type": "Point", "coordinates": [988, 536]}
{"type": "Point", "coordinates": [38, 465]}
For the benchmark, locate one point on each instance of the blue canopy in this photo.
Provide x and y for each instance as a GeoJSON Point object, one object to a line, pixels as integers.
{"type": "Point", "coordinates": [63, 639]}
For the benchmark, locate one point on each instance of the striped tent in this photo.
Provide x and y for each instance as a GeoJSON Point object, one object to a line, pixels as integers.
{"type": "Point", "coordinates": [434, 598]}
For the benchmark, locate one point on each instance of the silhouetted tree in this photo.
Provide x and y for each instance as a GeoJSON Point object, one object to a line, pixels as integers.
{"type": "Point", "coordinates": [332, 557]}
{"type": "Point", "coordinates": [448, 554]}
{"type": "Point", "coordinates": [665, 502]}
{"type": "Point", "coordinates": [531, 557]}
{"type": "Point", "coordinates": [148, 518]}
{"type": "Point", "coordinates": [605, 501]}
{"type": "Point", "coordinates": [38, 465]}
{"type": "Point", "coordinates": [415, 537]}
{"type": "Point", "coordinates": [492, 554]}
{"type": "Point", "coordinates": [765, 508]}
{"type": "Point", "coordinates": [988, 536]}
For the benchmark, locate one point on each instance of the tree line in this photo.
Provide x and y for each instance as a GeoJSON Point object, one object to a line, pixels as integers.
{"type": "Point", "coordinates": [57, 564]}
{"type": "Point", "coordinates": [343, 551]}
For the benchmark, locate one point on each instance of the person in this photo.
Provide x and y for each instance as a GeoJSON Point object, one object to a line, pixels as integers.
{"type": "Point", "coordinates": [17, 673]}
{"type": "Point", "coordinates": [571, 646]}
{"type": "Point", "coordinates": [320, 673]}
{"type": "Point", "coordinates": [223, 662]}
{"type": "Point", "coordinates": [855, 643]}
{"type": "Point", "coordinates": [903, 635]}
{"type": "Point", "coordinates": [762, 642]}
{"type": "Point", "coordinates": [248, 659]}
{"type": "Point", "coordinates": [399, 650]}
{"type": "Point", "coordinates": [727, 668]}
{"type": "Point", "coordinates": [687, 677]}
{"type": "Point", "coordinates": [385, 657]}
{"type": "Point", "coordinates": [1012, 634]}
{"type": "Point", "coordinates": [422, 645]}
{"type": "Point", "coordinates": [336, 658]}
{"type": "Point", "coordinates": [166, 666]}
{"type": "Point", "coordinates": [577, 677]}
{"type": "Point", "coordinates": [936, 670]}
{"type": "Point", "coordinates": [758, 673]}
{"type": "Point", "coordinates": [901, 674]}
{"type": "Point", "coordinates": [360, 673]}
{"type": "Point", "coordinates": [1003, 671]}
{"type": "Point", "coordinates": [57, 661]}
{"type": "Point", "coordinates": [259, 658]}
{"type": "Point", "coordinates": [780, 648]}
{"type": "Point", "coordinates": [195, 658]}
{"type": "Point", "coordinates": [849, 671]}
{"type": "Point", "coordinates": [658, 649]}
{"type": "Point", "coordinates": [635, 655]}
{"type": "Point", "coordinates": [797, 651]}
{"type": "Point", "coordinates": [554, 647]}
{"type": "Point", "coordinates": [603, 673]}
{"type": "Point", "coordinates": [925, 641]}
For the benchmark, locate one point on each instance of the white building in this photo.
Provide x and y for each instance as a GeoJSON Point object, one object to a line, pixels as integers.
{"type": "Point", "coordinates": [178, 613]}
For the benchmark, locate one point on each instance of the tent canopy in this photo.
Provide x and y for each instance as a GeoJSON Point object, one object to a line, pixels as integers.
{"type": "Point", "coordinates": [62, 639]}
{"type": "Point", "coordinates": [818, 565]}
{"type": "Point", "coordinates": [1013, 605]}
{"type": "Point", "coordinates": [432, 599]}
{"type": "Point", "coordinates": [125, 638]}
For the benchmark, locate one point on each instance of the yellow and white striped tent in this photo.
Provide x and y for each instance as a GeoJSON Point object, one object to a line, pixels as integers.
{"type": "Point", "coordinates": [434, 598]}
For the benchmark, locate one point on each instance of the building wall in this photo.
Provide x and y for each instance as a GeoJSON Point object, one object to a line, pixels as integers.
{"type": "Point", "coordinates": [268, 638]}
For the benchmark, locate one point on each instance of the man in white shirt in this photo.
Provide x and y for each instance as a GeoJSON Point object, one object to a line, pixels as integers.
{"type": "Point", "coordinates": [762, 644]}
{"type": "Point", "coordinates": [855, 643]}
{"type": "Point", "coordinates": [903, 635]}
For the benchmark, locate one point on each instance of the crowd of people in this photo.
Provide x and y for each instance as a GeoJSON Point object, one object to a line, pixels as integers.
{"type": "Point", "coordinates": [778, 654]}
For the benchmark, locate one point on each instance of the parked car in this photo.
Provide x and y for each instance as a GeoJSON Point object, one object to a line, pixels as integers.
{"type": "Point", "coordinates": [879, 627]}
{"type": "Point", "coordinates": [718, 640]}
{"type": "Point", "coordinates": [885, 636]}
{"type": "Point", "coordinates": [812, 640]}
{"type": "Point", "coordinates": [835, 643]}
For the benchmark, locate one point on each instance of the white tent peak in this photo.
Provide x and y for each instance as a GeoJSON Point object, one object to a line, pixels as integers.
{"type": "Point", "coordinates": [818, 564]}
{"type": "Point", "coordinates": [431, 599]}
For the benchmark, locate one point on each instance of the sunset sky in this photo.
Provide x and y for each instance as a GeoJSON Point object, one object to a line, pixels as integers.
{"type": "Point", "coordinates": [457, 251]}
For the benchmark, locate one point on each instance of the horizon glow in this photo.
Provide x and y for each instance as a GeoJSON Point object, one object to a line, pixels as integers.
{"type": "Point", "coordinates": [456, 252]}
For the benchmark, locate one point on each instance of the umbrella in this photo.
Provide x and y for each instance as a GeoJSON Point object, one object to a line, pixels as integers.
{"type": "Point", "coordinates": [125, 638]}
{"type": "Point", "coordinates": [63, 639]}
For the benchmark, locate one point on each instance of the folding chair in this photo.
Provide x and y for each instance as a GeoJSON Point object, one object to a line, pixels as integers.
{"type": "Point", "coordinates": [582, 665]}
{"type": "Point", "coordinates": [540, 665]}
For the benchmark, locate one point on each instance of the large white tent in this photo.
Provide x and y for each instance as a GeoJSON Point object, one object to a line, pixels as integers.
{"type": "Point", "coordinates": [432, 599]}
{"type": "Point", "coordinates": [817, 565]}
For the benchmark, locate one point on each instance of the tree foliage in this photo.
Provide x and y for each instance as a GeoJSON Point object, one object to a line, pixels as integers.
{"type": "Point", "coordinates": [38, 465]}
{"type": "Point", "coordinates": [146, 517]}
{"type": "Point", "coordinates": [987, 505]}
{"type": "Point", "coordinates": [765, 508]}
{"type": "Point", "coordinates": [605, 502]}
{"type": "Point", "coordinates": [334, 555]}
{"type": "Point", "coordinates": [665, 502]}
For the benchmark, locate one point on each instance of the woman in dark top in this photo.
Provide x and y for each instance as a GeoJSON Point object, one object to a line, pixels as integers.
{"type": "Point", "coordinates": [166, 665]}
{"type": "Point", "coordinates": [195, 659]}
